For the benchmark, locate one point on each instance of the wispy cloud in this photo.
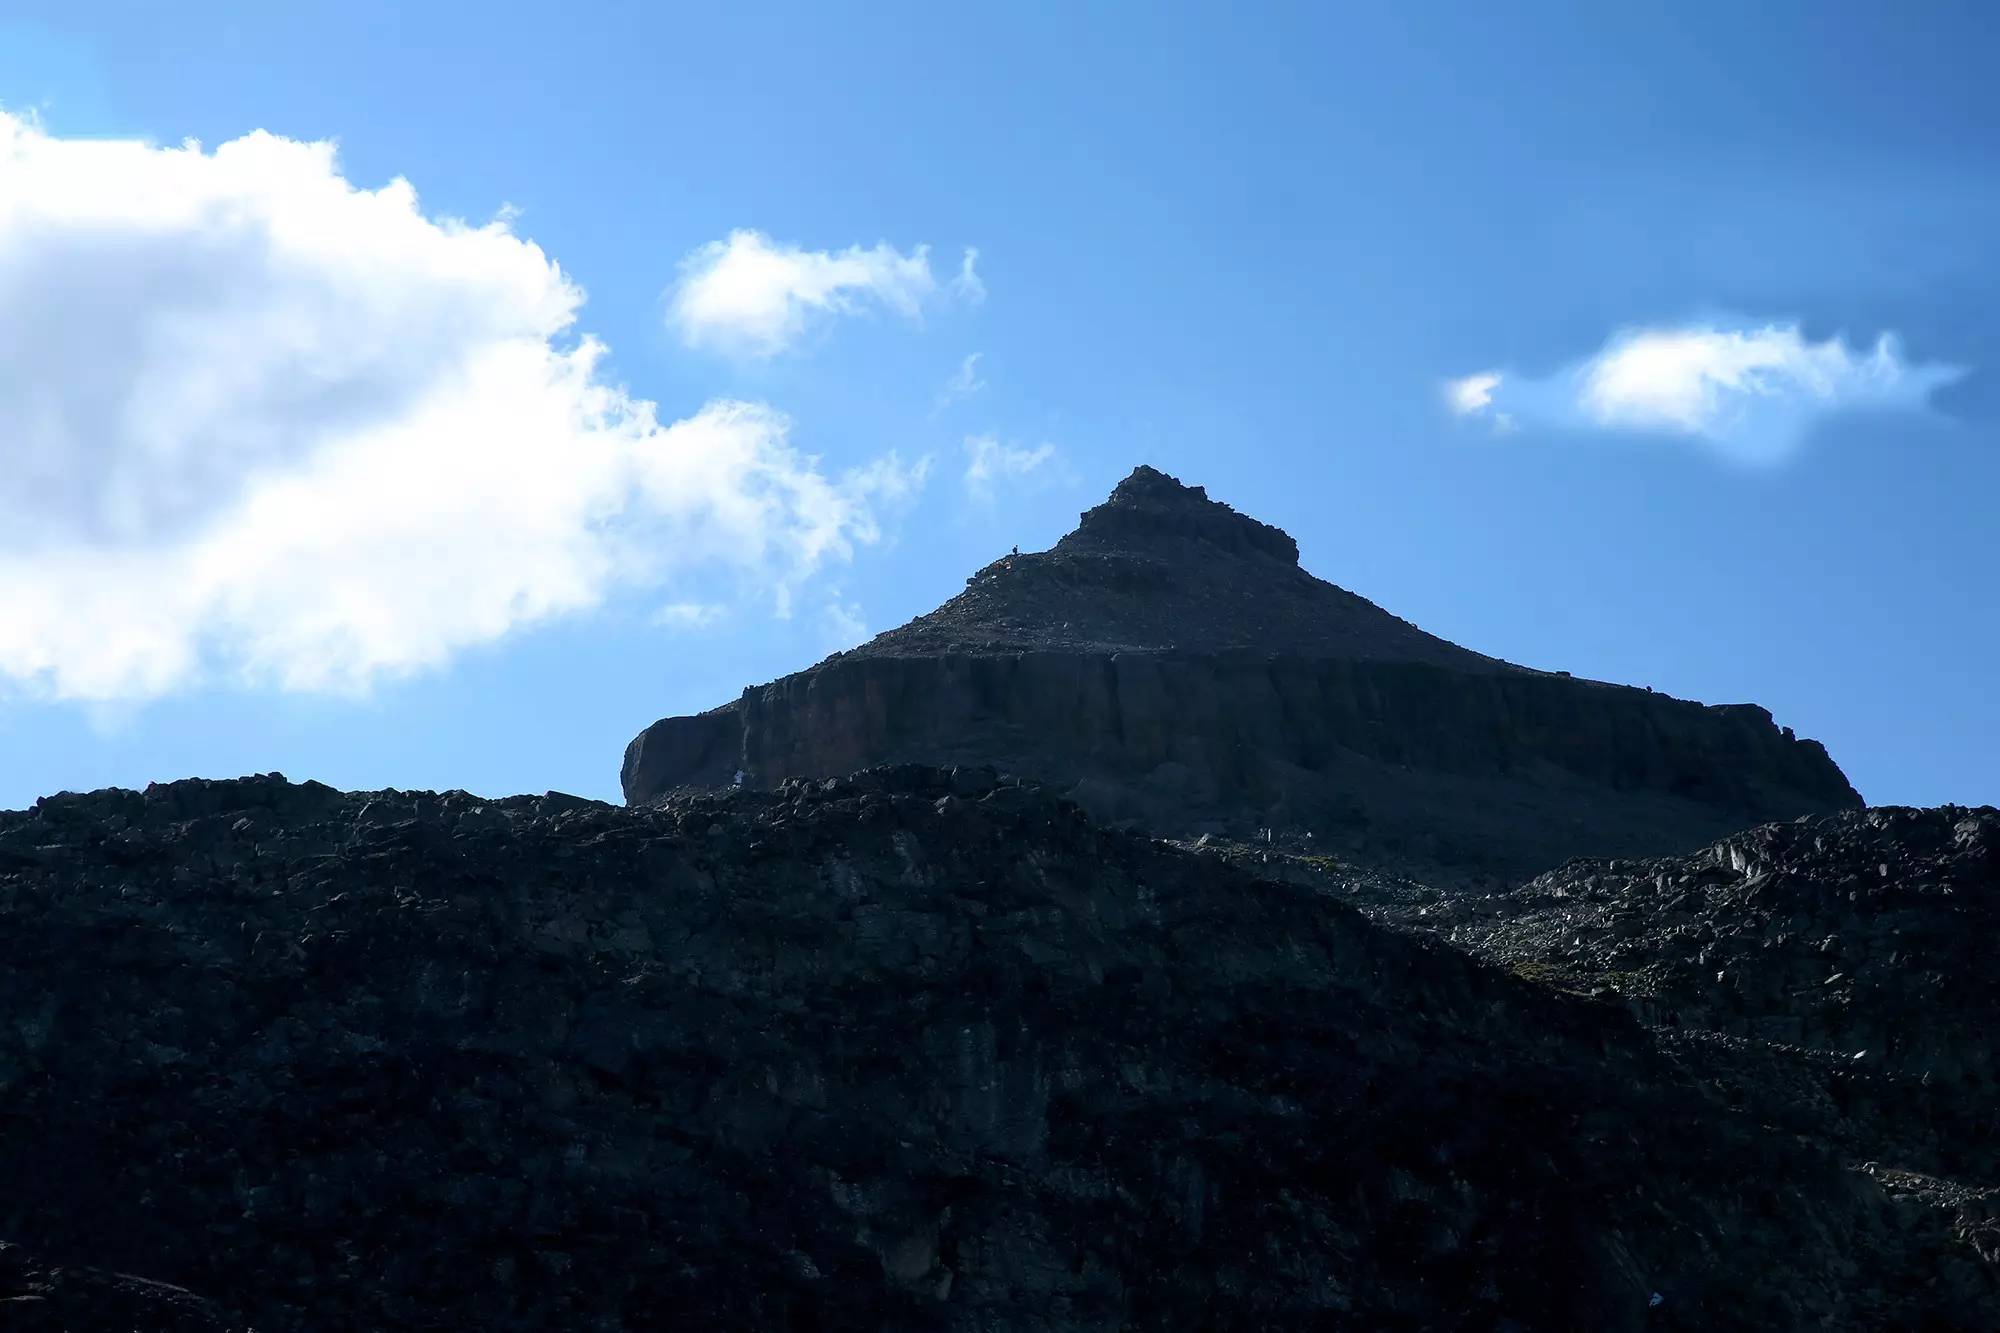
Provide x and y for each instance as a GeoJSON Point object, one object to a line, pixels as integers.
{"type": "Point", "coordinates": [1751, 393]}
{"type": "Point", "coordinates": [964, 382]}
{"type": "Point", "coordinates": [845, 624]}
{"type": "Point", "coordinates": [258, 424]}
{"type": "Point", "coordinates": [967, 286]}
{"type": "Point", "coordinates": [989, 462]}
{"type": "Point", "coordinates": [752, 296]}
{"type": "Point", "coordinates": [689, 615]}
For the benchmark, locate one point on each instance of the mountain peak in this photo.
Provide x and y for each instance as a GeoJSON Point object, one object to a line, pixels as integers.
{"type": "Point", "coordinates": [1160, 567]}
{"type": "Point", "coordinates": [1153, 514]}
{"type": "Point", "coordinates": [1146, 479]}
{"type": "Point", "coordinates": [1171, 663]}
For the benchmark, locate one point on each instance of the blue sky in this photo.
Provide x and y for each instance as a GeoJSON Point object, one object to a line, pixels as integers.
{"type": "Point", "coordinates": [1556, 329]}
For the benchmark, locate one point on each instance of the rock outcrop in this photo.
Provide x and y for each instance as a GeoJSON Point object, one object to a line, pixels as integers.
{"type": "Point", "coordinates": [913, 1049]}
{"type": "Point", "coordinates": [1170, 666]}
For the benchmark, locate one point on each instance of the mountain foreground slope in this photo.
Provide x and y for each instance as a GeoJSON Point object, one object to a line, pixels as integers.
{"type": "Point", "coordinates": [910, 1049]}
{"type": "Point", "coordinates": [1847, 956]}
{"type": "Point", "coordinates": [1170, 666]}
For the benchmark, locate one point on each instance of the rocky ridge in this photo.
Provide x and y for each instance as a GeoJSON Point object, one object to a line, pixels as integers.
{"type": "Point", "coordinates": [1828, 977]}
{"type": "Point", "coordinates": [1848, 957]}
{"type": "Point", "coordinates": [1848, 933]}
{"type": "Point", "coordinates": [915, 1048]}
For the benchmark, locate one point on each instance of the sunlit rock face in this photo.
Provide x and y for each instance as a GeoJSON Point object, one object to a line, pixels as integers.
{"type": "Point", "coordinates": [1171, 667]}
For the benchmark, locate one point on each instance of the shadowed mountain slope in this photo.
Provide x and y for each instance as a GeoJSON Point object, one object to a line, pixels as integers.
{"type": "Point", "coordinates": [1848, 958]}
{"type": "Point", "coordinates": [913, 1049]}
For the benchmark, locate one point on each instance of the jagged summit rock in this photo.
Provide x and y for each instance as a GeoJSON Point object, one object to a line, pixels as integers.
{"type": "Point", "coordinates": [1170, 666]}
{"type": "Point", "coordinates": [1149, 506]}
{"type": "Point", "coordinates": [1160, 567]}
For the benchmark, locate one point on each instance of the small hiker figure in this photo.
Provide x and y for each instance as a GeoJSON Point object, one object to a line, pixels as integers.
{"type": "Point", "coordinates": [1015, 551]}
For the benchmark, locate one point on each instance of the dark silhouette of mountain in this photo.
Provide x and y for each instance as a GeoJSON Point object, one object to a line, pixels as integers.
{"type": "Point", "coordinates": [1171, 667]}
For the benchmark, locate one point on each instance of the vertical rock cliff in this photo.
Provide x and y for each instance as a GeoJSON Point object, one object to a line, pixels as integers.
{"type": "Point", "coordinates": [1170, 666]}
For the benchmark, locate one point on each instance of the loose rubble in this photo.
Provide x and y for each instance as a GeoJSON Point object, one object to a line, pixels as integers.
{"type": "Point", "coordinates": [1832, 977]}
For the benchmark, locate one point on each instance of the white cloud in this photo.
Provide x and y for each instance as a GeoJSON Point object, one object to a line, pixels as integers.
{"type": "Point", "coordinates": [260, 425]}
{"type": "Point", "coordinates": [1750, 392]}
{"type": "Point", "coordinates": [989, 462]}
{"type": "Point", "coordinates": [1472, 394]}
{"type": "Point", "coordinates": [689, 615]}
{"type": "Point", "coordinates": [964, 382]}
{"type": "Point", "coordinates": [1697, 381]}
{"type": "Point", "coordinates": [752, 296]}
{"type": "Point", "coordinates": [846, 626]}
{"type": "Point", "coordinates": [967, 285]}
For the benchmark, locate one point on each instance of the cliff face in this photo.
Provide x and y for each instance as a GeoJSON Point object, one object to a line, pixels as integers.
{"type": "Point", "coordinates": [912, 1049]}
{"type": "Point", "coordinates": [1171, 666]}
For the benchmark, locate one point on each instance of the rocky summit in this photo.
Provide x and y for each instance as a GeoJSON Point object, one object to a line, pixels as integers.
{"type": "Point", "coordinates": [914, 1048]}
{"type": "Point", "coordinates": [1169, 666]}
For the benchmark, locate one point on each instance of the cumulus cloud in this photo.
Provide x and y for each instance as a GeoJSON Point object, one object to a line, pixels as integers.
{"type": "Point", "coordinates": [1751, 393]}
{"type": "Point", "coordinates": [989, 462]}
{"type": "Point", "coordinates": [753, 296]}
{"type": "Point", "coordinates": [259, 424]}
